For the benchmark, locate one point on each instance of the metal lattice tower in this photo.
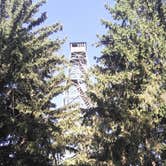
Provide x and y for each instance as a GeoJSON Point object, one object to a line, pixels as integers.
{"type": "Point", "coordinates": [77, 72]}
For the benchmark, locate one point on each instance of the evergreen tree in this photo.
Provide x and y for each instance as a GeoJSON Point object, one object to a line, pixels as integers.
{"type": "Point", "coordinates": [130, 91]}
{"type": "Point", "coordinates": [31, 75]}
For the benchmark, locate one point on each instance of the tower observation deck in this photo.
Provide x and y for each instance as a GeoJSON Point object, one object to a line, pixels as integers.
{"type": "Point", "coordinates": [77, 71]}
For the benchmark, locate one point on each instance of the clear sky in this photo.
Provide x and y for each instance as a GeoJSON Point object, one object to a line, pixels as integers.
{"type": "Point", "coordinates": [80, 20]}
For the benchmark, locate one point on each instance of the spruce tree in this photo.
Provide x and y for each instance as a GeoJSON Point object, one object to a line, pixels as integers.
{"type": "Point", "coordinates": [130, 86]}
{"type": "Point", "coordinates": [31, 75]}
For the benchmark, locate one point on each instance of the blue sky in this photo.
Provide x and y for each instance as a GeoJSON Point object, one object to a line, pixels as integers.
{"type": "Point", "coordinates": [80, 20]}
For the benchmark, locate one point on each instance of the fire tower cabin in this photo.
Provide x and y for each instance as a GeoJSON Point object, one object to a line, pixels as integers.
{"type": "Point", "coordinates": [77, 72]}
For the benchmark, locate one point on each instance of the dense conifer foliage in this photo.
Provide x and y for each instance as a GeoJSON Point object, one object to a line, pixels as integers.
{"type": "Point", "coordinates": [130, 91]}
{"type": "Point", "coordinates": [31, 74]}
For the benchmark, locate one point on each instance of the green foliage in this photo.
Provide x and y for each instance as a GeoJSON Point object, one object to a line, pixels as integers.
{"type": "Point", "coordinates": [31, 75]}
{"type": "Point", "coordinates": [130, 89]}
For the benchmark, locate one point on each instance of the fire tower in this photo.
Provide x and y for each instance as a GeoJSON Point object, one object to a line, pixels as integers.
{"type": "Point", "coordinates": [77, 72]}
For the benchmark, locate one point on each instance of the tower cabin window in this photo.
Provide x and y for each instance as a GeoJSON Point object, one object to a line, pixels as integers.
{"type": "Point", "coordinates": [74, 45]}
{"type": "Point", "coordinates": [81, 44]}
